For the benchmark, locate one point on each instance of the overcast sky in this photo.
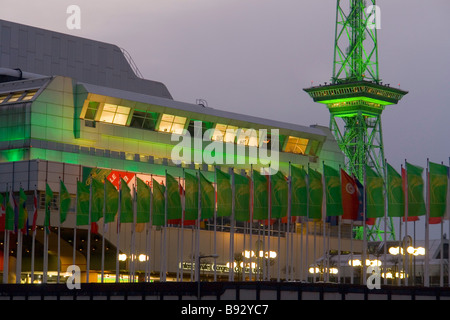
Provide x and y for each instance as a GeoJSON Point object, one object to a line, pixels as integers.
{"type": "Point", "coordinates": [256, 56]}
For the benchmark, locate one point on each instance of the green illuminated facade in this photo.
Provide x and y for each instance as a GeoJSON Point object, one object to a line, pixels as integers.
{"type": "Point", "coordinates": [72, 107]}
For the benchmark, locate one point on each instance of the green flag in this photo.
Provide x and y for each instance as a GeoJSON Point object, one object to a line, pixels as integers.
{"type": "Point", "coordinates": [224, 194]}
{"type": "Point", "coordinates": [279, 195]}
{"type": "Point", "coordinates": [10, 212]}
{"type": "Point", "coordinates": [260, 196]}
{"type": "Point", "coordinates": [191, 196]}
{"type": "Point", "coordinates": [48, 203]}
{"type": "Point", "coordinates": [438, 184]}
{"type": "Point", "coordinates": [159, 204]}
{"type": "Point", "coordinates": [112, 201]}
{"type": "Point", "coordinates": [82, 204]}
{"type": "Point", "coordinates": [126, 203]}
{"type": "Point", "coordinates": [241, 198]}
{"type": "Point", "coordinates": [333, 191]}
{"type": "Point", "coordinates": [143, 202]}
{"type": "Point", "coordinates": [416, 202]}
{"type": "Point", "coordinates": [374, 194]}
{"type": "Point", "coordinates": [395, 194]}
{"type": "Point", "coordinates": [98, 197]}
{"type": "Point", "coordinates": [64, 201]}
{"type": "Point", "coordinates": [173, 198]}
{"type": "Point", "coordinates": [315, 194]}
{"type": "Point", "coordinates": [23, 214]}
{"type": "Point", "coordinates": [207, 195]}
{"type": "Point", "coordinates": [299, 193]}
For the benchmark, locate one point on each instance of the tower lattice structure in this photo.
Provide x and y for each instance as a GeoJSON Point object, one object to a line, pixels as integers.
{"type": "Point", "coordinates": [356, 96]}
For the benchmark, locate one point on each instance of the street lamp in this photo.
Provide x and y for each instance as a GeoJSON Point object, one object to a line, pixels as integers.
{"type": "Point", "coordinates": [197, 268]}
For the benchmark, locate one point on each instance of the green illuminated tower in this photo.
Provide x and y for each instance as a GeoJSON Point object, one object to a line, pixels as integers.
{"type": "Point", "coordinates": [356, 96]}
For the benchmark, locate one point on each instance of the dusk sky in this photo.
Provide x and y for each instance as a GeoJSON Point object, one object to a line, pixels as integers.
{"type": "Point", "coordinates": [256, 56]}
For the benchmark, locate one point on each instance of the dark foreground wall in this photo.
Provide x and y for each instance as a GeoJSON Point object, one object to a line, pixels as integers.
{"type": "Point", "coordinates": [228, 291]}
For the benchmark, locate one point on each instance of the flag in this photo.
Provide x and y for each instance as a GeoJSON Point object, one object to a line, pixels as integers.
{"type": "Point", "coordinates": [35, 210]}
{"type": "Point", "coordinates": [437, 188]}
{"type": "Point", "coordinates": [112, 202]}
{"type": "Point", "coordinates": [48, 203]}
{"type": "Point", "coordinates": [207, 198]}
{"type": "Point", "coordinates": [361, 208]}
{"type": "Point", "coordinates": [191, 196]}
{"type": "Point", "coordinates": [350, 201]}
{"type": "Point", "coordinates": [82, 204]}
{"type": "Point", "coordinates": [143, 202]}
{"type": "Point", "coordinates": [241, 198]}
{"type": "Point", "coordinates": [395, 193]}
{"type": "Point", "coordinates": [126, 203]}
{"type": "Point", "coordinates": [11, 210]}
{"type": "Point", "coordinates": [299, 193]}
{"type": "Point", "coordinates": [260, 196]}
{"type": "Point", "coordinates": [64, 201]}
{"type": "Point", "coordinates": [173, 198]}
{"type": "Point", "coordinates": [333, 192]}
{"type": "Point", "coordinates": [279, 195]}
{"type": "Point", "coordinates": [98, 199]}
{"type": "Point", "coordinates": [224, 194]}
{"type": "Point", "coordinates": [416, 202]}
{"type": "Point", "coordinates": [315, 194]}
{"type": "Point", "coordinates": [23, 213]}
{"type": "Point", "coordinates": [2, 213]}
{"type": "Point", "coordinates": [159, 204]}
{"type": "Point", "coordinates": [374, 194]}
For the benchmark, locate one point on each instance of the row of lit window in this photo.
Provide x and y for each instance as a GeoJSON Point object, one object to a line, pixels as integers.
{"type": "Point", "coordinates": [119, 115]}
{"type": "Point", "coordinates": [19, 96]}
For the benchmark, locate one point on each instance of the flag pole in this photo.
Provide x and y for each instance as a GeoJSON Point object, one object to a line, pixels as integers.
{"type": "Point", "coordinates": [183, 212]}
{"type": "Point", "coordinates": [305, 263]}
{"type": "Point", "coordinates": [164, 242]}
{"type": "Point", "coordinates": [251, 222]}
{"type": "Point", "coordinates": [118, 231]}
{"type": "Point", "coordinates": [233, 191]}
{"type": "Point", "coordinates": [46, 230]}
{"type": "Point", "coordinates": [427, 231]}
{"type": "Point", "coordinates": [19, 248]}
{"type": "Point", "coordinates": [133, 234]}
{"type": "Point", "coordinates": [364, 255]}
{"type": "Point", "coordinates": [104, 230]}
{"type": "Point", "coordinates": [75, 228]}
{"type": "Point", "coordinates": [269, 222]}
{"type": "Point", "coordinates": [199, 216]}
{"type": "Point", "coordinates": [59, 234]}
{"type": "Point", "coordinates": [215, 223]}
{"type": "Point", "coordinates": [324, 219]}
{"type": "Point", "coordinates": [149, 232]}
{"type": "Point", "coordinates": [33, 229]}
{"type": "Point", "coordinates": [288, 235]}
{"type": "Point", "coordinates": [88, 253]}
{"type": "Point", "coordinates": [385, 221]}
{"type": "Point", "coordinates": [447, 210]}
{"type": "Point", "coordinates": [405, 265]}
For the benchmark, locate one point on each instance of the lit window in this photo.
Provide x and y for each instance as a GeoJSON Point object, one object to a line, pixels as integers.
{"type": "Point", "coordinates": [296, 145]}
{"type": "Point", "coordinates": [3, 98]}
{"type": "Point", "coordinates": [172, 124]}
{"type": "Point", "coordinates": [29, 95]}
{"type": "Point", "coordinates": [15, 96]}
{"type": "Point", "coordinates": [248, 137]}
{"type": "Point", "coordinates": [115, 114]}
{"type": "Point", "coordinates": [225, 133]}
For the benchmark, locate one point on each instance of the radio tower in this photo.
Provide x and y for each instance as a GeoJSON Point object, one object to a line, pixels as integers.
{"type": "Point", "coordinates": [356, 96]}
